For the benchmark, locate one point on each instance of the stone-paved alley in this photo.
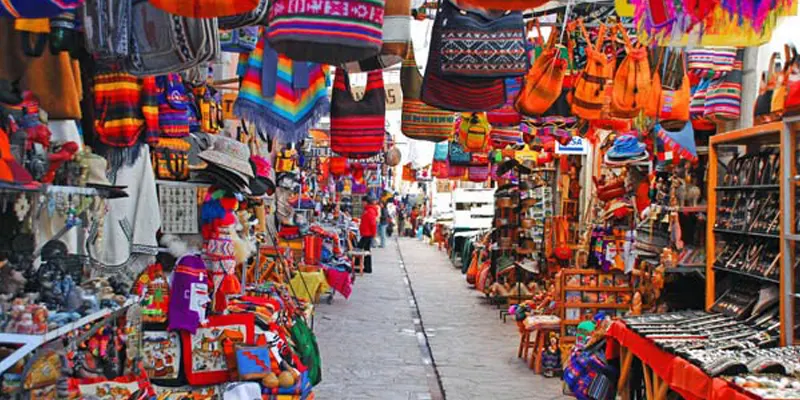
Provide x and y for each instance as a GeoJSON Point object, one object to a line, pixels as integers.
{"type": "Point", "coordinates": [373, 346]}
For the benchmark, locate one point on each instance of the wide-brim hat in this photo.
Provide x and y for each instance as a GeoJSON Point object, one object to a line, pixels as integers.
{"type": "Point", "coordinates": [224, 178]}
{"type": "Point", "coordinates": [231, 155]}
{"type": "Point", "coordinates": [627, 148]}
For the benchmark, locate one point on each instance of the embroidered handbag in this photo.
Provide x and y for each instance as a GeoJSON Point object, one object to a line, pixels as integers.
{"type": "Point", "coordinates": [239, 40]}
{"type": "Point", "coordinates": [162, 42]}
{"type": "Point", "coordinates": [474, 130]}
{"type": "Point", "coordinates": [544, 80]}
{"type": "Point", "coordinates": [205, 8]}
{"type": "Point", "coordinates": [724, 96]}
{"type": "Point", "coordinates": [396, 39]}
{"type": "Point", "coordinates": [665, 103]}
{"type": "Point", "coordinates": [480, 44]}
{"type": "Point", "coordinates": [592, 91]}
{"type": "Point", "coordinates": [326, 31]}
{"type": "Point", "coordinates": [457, 156]}
{"type": "Point", "coordinates": [478, 173]}
{"type": "Point", "coordinates": [358, 127]}
{"type": "Point", "coordinates": [37, 8]}
{"type": "Point", "coordinates": [632, 81]}
{"type": "Point", "coordinates": [697, 104]}
{"type": "Point", "coordinates": [173, 116]}
{"type": "Point", "coordinates": [456, 93]}
{"type": "Point", "coordinates": [440, 151]}
{"type": "Point", "coordinates": [256, 16]}
{"type": "Point", "coordinates": [170, 158]}
{"type": "Point", "coordinates": [457, 172]}
{"type": "Point", "coordinates": [419, 120]}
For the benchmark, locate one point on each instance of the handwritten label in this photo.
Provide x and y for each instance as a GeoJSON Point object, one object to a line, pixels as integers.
{"type": "Point", "coordinates": [394, 95]}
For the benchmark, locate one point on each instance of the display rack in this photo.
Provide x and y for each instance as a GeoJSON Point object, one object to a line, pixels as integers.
{"type": "Point", "coordinates": [593, 283]}
{"type": "Point", "coordinates": [780, 137]}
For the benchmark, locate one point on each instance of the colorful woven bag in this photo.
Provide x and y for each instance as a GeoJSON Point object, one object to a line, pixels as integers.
{"type": "Point", "coordinates": [665, 103]}
{"type": "Point", "coordinates": [440, 169]}
{"type": "Point", "coordinates": [173, 116]}
{"type": "Point", "coordinates": [456, 154]}
{"type": "Point", "coordinates": [205, 8]}
{"type": "Point", "coordinates": [479, 44]}
{"type": "Point", "coordinates": [474, 131]}
{"type": "Point", "coordinates": [326, 31]}
{"type": "Point", "coordinates": [478, 173]}
{"type": "Point", "coordinates": [239, 40]}
{"type": "Point", "coordinates": [358, 127]}
{"type": "Point", "coordinates": [544, 80]}
{"type": "Point", "coordinates": [170, 159]}
{"type": "Point", "coordinates": [37, 8]}
{"type": "Point", "coordinates": [632, 82]}
{"type": "Point", "coordinates": [456, 93]}
{"type": "Point", "coordinates": [396, 38]}
{"type": "Point", "coordinates": [440, 151]}
{"type": "Point", "coordinates": [419, 120]}
{"type": "Point", "coordinates": [593, 87]}
{"type": "Point", "coordinates": [724, 96]}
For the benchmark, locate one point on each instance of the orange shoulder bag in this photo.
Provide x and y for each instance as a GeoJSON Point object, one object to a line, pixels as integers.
{"type": "Point", "coordinates": [593, 87]}
{"type": "Point", "coordinates": [544, 80]}
{"type": "Point", "coordinates": [668, 104]}
{"type": "Point", "coordinates": [632, 82]}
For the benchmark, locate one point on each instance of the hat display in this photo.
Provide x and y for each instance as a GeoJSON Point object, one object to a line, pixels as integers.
{"type": "Point", "coordinates": [626, 149]}
{"type": "Point", "coordinates": [231, 155]}
{"type": "Point", "coordinates": [261, 184]}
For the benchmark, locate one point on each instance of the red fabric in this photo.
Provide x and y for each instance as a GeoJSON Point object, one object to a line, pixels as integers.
{"type": "Point", "coordinates": [339, 281]}
{"type": "Point", "coordinates": [369, 222]}
{"type": "Point", "coordinates": [682, 377]}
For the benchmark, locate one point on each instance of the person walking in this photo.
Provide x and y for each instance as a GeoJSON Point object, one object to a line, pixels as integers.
{"type": "Point", "coordinates": [367, 229]}
{"type": "Point", "coordinates": [383, 224]}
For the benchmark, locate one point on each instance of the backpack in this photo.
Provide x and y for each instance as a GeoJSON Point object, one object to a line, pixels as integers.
{"type": "Point", "coordinates": [593, 87]}
{"type": "Point", "coordinates": [474, 131]}
{"type": "Point", "coordinates": [632, 81]}
{"type": "Point", "coordinates": [544, 80]}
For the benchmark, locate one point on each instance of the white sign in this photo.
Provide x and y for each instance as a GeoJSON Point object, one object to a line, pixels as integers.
{"type": "Point", "coordinates": [577, 145]}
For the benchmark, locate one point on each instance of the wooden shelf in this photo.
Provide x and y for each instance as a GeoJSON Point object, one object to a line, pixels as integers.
{"type": "Point", "coordinates": [749, 187]}
{"type": "Point", "coordinates": [747, 274]}
{"type": "Point", "coordinates": [596, 305]}
{"type": "Point", "coordinates": [766, 133]}
{"type": "Point", "coordinates": [598, 289]}
{"type": "Point", "coordinates": [743, 233]}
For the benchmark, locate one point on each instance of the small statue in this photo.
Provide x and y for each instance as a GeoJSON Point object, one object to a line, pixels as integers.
{"type": "Point", "coordinates": [636, 304]}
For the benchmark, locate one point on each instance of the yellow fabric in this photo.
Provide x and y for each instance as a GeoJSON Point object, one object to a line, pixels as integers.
{"type": "Point", "coordinates": [315, 282]}
{"type": "Point", "coordinates": [526, 155]}
{"type": "Point", "coordinates": [35, 25]}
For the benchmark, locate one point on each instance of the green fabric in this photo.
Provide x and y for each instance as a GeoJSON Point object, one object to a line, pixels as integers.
{"type": "Point", "coordinates": [305, 345]}
{"type": "Point", "coordinates": [466, 255]}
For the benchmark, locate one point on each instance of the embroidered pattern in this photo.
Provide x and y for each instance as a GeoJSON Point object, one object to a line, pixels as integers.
{"type": "Point", "coordinates": [476, 53]}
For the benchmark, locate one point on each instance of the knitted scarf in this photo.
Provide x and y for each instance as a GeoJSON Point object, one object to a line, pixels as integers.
{"type": "Point", "coordinates": [279, 95]}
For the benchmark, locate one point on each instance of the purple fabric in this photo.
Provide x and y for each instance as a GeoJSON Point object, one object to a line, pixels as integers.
{"type": "Point", "coordinates": [189, 294]}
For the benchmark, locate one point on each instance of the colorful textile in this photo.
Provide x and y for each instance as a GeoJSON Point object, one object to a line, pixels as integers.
{"type": "Point", "coordinates": [173, 103]}
{"type": "Point", "coordinates": [681, 143]}
{"type": "Point", "coordinates": [36, 8]}
{"type": "Point", "coordinates": [205, 8]}
{"type": "Point", "coordinates": [306, 285]}
{"type": "Point", "coordinates": [507, 115]}
{"type": "Point", "coordinates": [339, 281]}
{"type": "Point", "coordinates": [358, 128]}
{"type": "Point", "coordinates": [283, 97]}
{"type": "Point", "coordinates": [327, 31]}
{"type": "Point", "coordinates": [125, 107]}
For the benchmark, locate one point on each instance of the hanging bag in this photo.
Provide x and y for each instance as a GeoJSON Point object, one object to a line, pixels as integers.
{"type": "Point", "coordinates": [456, 93]}
{"type": "Point", "coordinates": [482, 44]}
{"type": "Point", "coordinates": [590, 97]}
{"type": "Point", "coordinates": [545, 79]}
{"type": "Point", "coordinates": [419, 120]}
{"type": "Point", "coordinates": [632, 81]}
{"type": "Point", "coordinates": [358, 127]}
{"type": "Point", "coordinates": [256, 16]}
{"type": "Point", "coordinates": [440, 151]}
{"type": "Point", "coordinates": [724, 96]}
{"type": "Point", "coordinates": [474, 131]}
{"type": "Point", "coordinates": [396, 38]}
{"type": "Point", "coordinates": [667, 103]}
{"type": "Point", "coordinates": [326, 31]}
{"type": "Point", "coordinates": [457, 156]}
{"type": "Point", "coordinates": [239, 40]}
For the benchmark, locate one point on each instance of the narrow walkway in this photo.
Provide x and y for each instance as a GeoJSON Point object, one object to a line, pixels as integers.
{"type": "Point", "coordinates": [370, 349]}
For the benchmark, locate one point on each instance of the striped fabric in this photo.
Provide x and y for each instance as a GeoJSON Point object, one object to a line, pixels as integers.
{"type": "Point", "coordinates": [326, 31]}
{"type": "Point", "coordinates": [423, 122]}
{"type": "Point", "coordinates": [173, 117]}
{"type": "Point", "coordinates": [125, 107]}
{"type": "Point", "coordinates": [283, 97]}
{"type": "Point", "coordinates": [358, 127]}
{"type": "Point", "coordinates": [205, 8]}
{"type": "Point", "coordinates": [36, 8]}
{"type": "Point", "coordinates": [724, 97]}
{"type": "Point", "coordinates": [507, 115]}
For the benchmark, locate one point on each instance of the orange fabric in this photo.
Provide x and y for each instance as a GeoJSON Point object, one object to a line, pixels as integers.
{"type": "Point", "coordinates": [592, 94]}
{"type": "Point", "coordinates": [205, 8]}
{"type": "Point", "coordinates": [519, 5]}
{"type": "Point", "coordinates": [544, 80]}
{"type": "Point", "coordinates": [632, 81]}
{"type": "Point", "coordinates": [682, 377]}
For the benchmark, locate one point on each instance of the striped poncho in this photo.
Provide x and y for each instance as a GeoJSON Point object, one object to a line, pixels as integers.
{"type": "Point", "coordinates": [280, 96]}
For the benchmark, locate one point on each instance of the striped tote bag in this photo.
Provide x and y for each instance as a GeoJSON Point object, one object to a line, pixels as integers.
{"type": "Point", "coordinates": [421, 121]}
{"type": "Point", "coordinates": [331, 32]}
{"type": "Point", "coordinates": [358, 127]}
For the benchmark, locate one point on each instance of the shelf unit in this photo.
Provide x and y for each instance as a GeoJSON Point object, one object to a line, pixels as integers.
{"type": "Point", "coordinates": [590, 281]}
{"type": "Point", "coordinates": [778, 135]}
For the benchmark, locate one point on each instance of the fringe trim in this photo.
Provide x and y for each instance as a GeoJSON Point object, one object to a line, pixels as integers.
{"type": "Point", "coordinates": [118, 157]}
{"type": "Point", "coordinates": [282, 129]}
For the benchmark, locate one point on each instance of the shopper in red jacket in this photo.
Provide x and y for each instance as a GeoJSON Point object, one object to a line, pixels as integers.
{"type": "Point", "coordinates": [368, 229]}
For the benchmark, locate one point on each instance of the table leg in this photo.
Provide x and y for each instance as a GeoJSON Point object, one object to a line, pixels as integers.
{"type": "Point", "coordinates": [648, 382]}
{"type": "Point", "coordinates": [626, 360]}
{"type": "Point", "coordinates": [661, 388]}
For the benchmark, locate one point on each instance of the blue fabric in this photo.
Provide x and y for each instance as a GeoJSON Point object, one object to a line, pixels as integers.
{"type": "Point", "coordinates": [626, 146]}
{"type": "Point", "coordinates": [37, 8]}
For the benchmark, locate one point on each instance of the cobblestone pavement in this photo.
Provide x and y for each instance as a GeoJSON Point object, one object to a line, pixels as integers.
{"type": "Point", "coordinates": [370, 349]}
